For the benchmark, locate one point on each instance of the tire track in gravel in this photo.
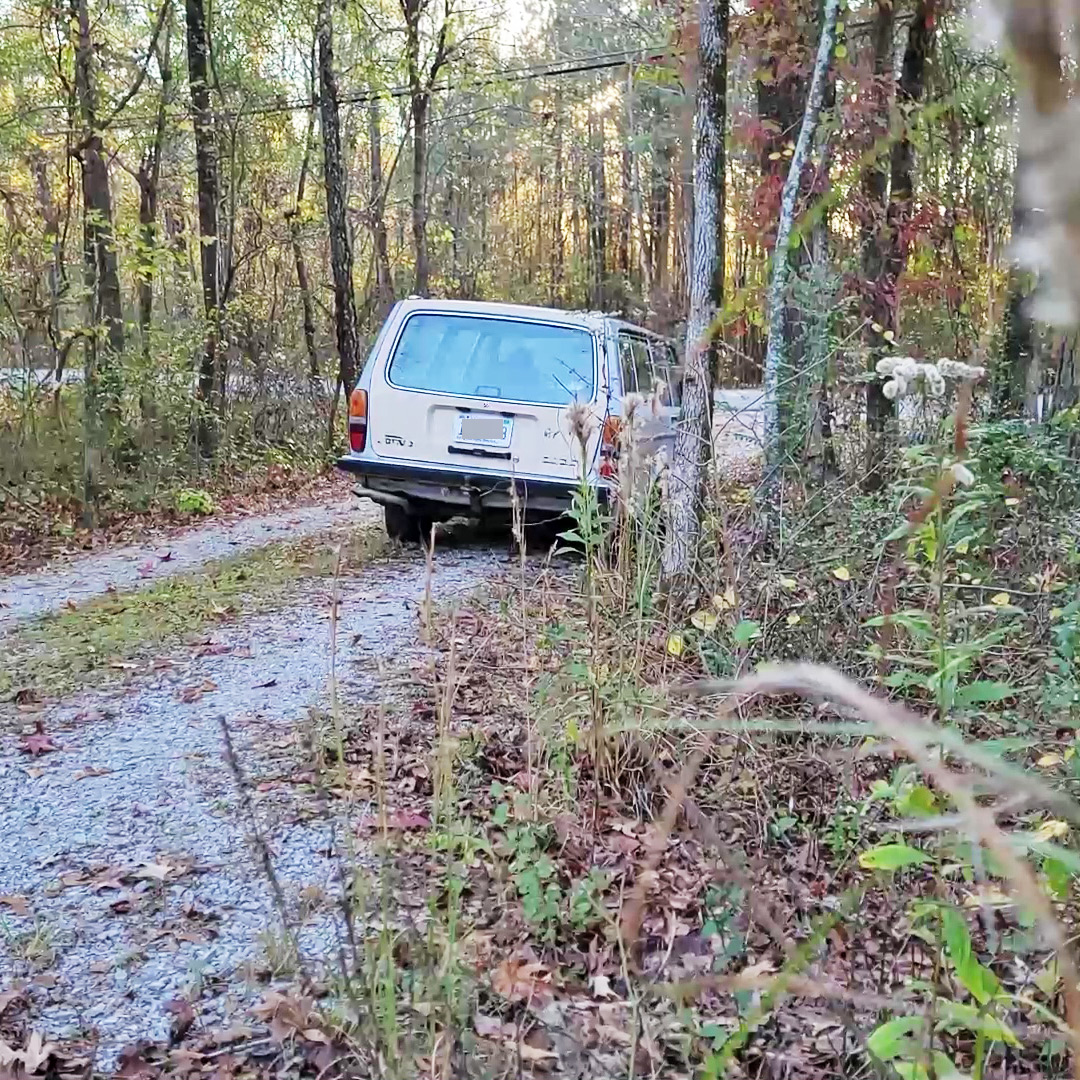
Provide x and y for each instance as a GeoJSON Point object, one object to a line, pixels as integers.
{"type": "Point", "coordinates": [23, 596]}
{"type": "Point", "coordinates": [170, 801]}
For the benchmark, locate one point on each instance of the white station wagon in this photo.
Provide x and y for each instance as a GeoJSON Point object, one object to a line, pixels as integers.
{"type": "Point", "coordinates": [462, 401]}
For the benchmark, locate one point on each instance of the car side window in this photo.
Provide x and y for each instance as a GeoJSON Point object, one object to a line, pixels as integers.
{"type": "Point", "coordinates": [665, 370]}
{"type": "Point", "coordinates": [636, 363]}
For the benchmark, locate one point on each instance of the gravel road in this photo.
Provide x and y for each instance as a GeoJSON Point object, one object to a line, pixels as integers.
{"type": "Point", "coordinates": [126, 850]}
{"type": "Point", "coordinates": [26, 595]}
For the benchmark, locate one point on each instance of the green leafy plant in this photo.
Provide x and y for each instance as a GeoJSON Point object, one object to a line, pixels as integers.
{"type": "Point", "coordinates": [192, 501]}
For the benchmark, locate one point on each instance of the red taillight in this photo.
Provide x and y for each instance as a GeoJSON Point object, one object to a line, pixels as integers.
{"type": "Point", "coordinates": [609, 447]}
{"type": "Point", "coordinates": [358, 421]}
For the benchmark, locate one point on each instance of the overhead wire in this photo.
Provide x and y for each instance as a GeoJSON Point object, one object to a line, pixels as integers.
{"type": "Point", "coordinates": [545, 70]}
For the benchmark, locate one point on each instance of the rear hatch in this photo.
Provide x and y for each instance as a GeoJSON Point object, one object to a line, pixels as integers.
{"type": "Point", "coordinates": [487, 394]}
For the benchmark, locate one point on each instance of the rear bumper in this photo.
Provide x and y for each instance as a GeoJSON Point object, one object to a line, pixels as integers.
{"type": "Point", "coordinates": [468, 491]}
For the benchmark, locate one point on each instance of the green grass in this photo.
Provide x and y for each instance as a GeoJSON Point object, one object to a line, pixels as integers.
{"type": "Point", "coordinates": [102, 639]}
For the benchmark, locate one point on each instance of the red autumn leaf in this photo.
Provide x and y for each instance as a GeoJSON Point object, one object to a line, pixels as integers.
{"type": "Point", "coordinates": [38, 743]}
{"type": "Point", "coordinates": [147, 568]}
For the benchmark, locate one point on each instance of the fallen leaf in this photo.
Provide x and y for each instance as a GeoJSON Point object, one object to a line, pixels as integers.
{"type": "Point", "coordinates": [794, 619]}
{"type": "Point", "coordinates": [183, 1017]}
{"type": "Point", "coordinates": [1048, 761]}
{"type": "Point", "coordinates": [601, 987]}
{"type": "Point", "coordinates": [165, 556]}
{"type": "Point", "coordinates": [36, 1053]}
{"type": "Point", "coordinates": [725, 601]}
{"type": "Point", "coordinates": [519, 980]}
{"type": "Point", "coordinates": [264, 685]}
{"type": "Point", "coordinates": [91, 771]}
{"type": "Point", "coordinates": [154, 871]}
{"type": "Point", "coordinates": [842, 573]}
{"type": "Point", "coordinates": [147, 568]}
{"type": "Point", "coordinates": [26, 696]}
{"type": "Point", "coordinates": [1001, 599]}
{"type": "Point", "coordinates": [19, 904]}
{"type": "Point", "coordinates": [675, 645]}
{"type": "Point", "coordinates": [38, 743]}
{"type": "Point", "coordinates": [705, 621]}
{"type": "Point", "coordinates": [190, 694]}
{"type": "Point", "coordinates": [1048, 830]}
{"type": "Point", "coordinates": [789, 583]}
{"type": "Point", "coordinates": [71, 605]}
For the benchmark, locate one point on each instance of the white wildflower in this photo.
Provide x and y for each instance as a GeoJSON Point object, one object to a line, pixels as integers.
{"type": "Point", "coordinates": [891, 389]}
{"type": "Point", "coordinates": [887, 365]}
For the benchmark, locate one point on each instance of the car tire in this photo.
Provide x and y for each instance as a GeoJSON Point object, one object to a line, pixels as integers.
{"type": "Point", "coordinates": [405, 526]}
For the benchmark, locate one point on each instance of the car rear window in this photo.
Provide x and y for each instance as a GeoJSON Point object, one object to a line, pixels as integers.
{"type": "Point", "coordinates": [475, 356]}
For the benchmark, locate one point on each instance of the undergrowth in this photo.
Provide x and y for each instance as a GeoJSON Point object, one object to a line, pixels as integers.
{"type": "Point", "coordinates": [614, 838]}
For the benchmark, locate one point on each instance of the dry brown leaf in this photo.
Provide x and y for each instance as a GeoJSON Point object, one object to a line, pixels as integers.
{"type": "Point", "coordinates": [517, 979]}
{"type": "Point", "coordinates": [91, 771]}
{"type": "Point", "coordinates": [17, 903]}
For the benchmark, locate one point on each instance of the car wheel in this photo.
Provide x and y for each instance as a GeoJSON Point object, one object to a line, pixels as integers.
{"type": "Point", "coordinates": [405, 526]}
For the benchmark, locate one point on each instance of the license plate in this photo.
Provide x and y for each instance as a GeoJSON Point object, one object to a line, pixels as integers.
{"type": "Point", "coordinates": [487, 430]}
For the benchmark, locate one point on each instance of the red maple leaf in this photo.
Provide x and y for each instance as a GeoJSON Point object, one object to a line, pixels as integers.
{"type": "Point", "coordinates": [38, 743]}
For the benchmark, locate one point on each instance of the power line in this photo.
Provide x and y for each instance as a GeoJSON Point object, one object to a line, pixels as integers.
{"type": "Point", "coordinates": [549, 69]}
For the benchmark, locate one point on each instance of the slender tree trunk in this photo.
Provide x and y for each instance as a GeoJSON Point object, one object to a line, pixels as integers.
{"type": "Point", "coordinates": [341, 252]}
{"type": "Point", "coordinates": [51, 216]}
{"type": "Point", "coordinates": [384, 282]}
{"type": "Point", "coordinates": [557, 240]}
{"type": "Point", "coordinates": [660, 228]}
{"type": "Point", "coordinates": [885, 254]}
{"type": "Point", "coordinates": [149, 180]}
{"type": "Point", "coordinates": [97, 200]}
{"type": "Point", "coordinates": [598, 212]}
{"type": "Point", "coordinates": [101, 376]}
{"type": "Point", "coordinates": [294, 217]}
{"type": "Point", "coordinates": [777, 361]}
{"type": "Point", "coordinates": [1019, 332]}
{"type": "Point", "coordinates": [206, 178]}
{"type": "Point", "coordinates": [693, 443]}
{"type": "Point", "coordinates": [626, 220]}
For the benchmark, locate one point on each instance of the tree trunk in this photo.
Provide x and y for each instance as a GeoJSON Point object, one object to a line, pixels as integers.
{"type": "Point", "coordinates": [206, 178]}
{"type": "Point", "coordinates": [777, 360]}
{"type": "Point", "coordinates": [420, 100]}
{"type": "Point", "coordinates": [103, 273]}
{"type": "Point", "coordinates": [557, 240]}
{"type": "Point", "coordinates": [384, 282]}
{"type": "Point", "coordinates": [597, 213]}
{"type": "Point", "coordinates": [693, 442]}
{"type": "Point", "coordinates": [886, 250]}
{"type": "Point", "coordinates": [51, 216]}
{"type": "Point", "coordinates": [660, 229]}
{"type": "Point", "coordinates": [1019, 332]}
{"type": "Point", "coordinates": [302, 281]}
{"type": "Point", "coordinates": [149, 180]}
{"type": "Point", "coordinates": [101, 376]}
{"type": "Point", "coordinates": [341, 252]}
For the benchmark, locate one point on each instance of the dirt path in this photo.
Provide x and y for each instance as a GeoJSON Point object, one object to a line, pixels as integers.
{"type": "Point", "coordinates": [24, 596]}
{"type": "Point", "coordinates": [126, 850]}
